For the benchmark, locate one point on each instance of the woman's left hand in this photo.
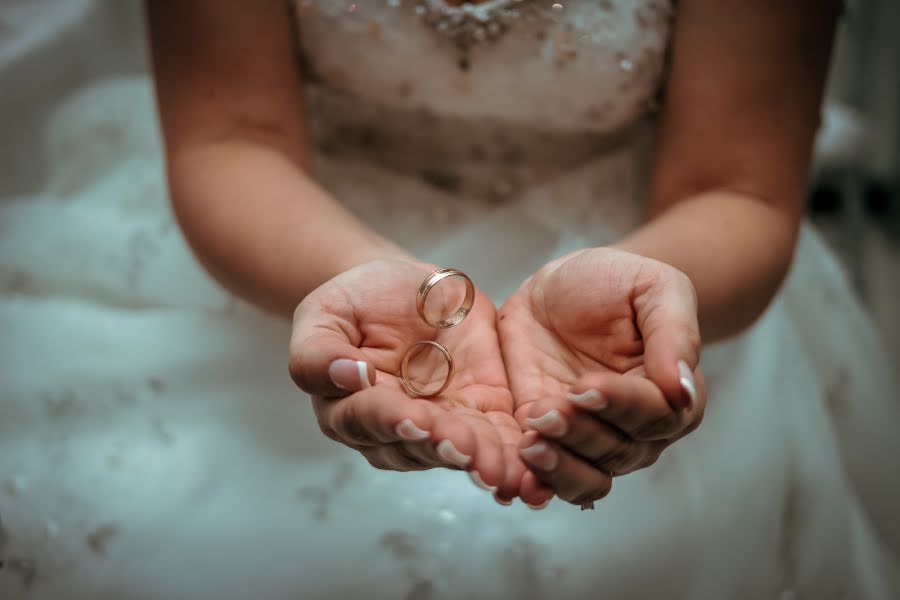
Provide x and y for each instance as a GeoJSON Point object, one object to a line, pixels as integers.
{"type": "Point", "coordinates": [601, 349]}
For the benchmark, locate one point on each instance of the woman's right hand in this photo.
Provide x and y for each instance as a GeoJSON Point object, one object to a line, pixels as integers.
{"type": "Point", "coordinates": [348, 340]}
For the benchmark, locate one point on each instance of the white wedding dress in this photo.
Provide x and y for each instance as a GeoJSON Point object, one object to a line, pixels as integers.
{"type": "Point", "coordinates": [153, 446]}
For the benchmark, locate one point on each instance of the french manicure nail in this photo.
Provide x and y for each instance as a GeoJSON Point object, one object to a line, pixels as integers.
{"type": "Point", "coordinates": [349, 375]}
{"type": "Point", "coordinates": [540, 455]}
{"type": "Point", "coordinates": [687, 383]}
{"type": "Point", "coordinates": [477, 480]}
{"type": "Point", "coordinates": [541, 506]}
{"type": "Point", "coordinates": [407, 430]}
{"type": "Point", "coordinates": [502, 502]}
{"type": "Point", "coordinates": [591, 399]}
{"type": "Point", "coordinates": [449, 453]}
{"type": "Point", "coordinates": [552, 424]}
{"type": "Point", "coordinates": [363, 369]}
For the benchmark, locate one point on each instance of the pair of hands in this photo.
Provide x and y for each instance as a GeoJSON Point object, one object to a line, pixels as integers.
{"type": "Point", "coordinates": [588, 371]}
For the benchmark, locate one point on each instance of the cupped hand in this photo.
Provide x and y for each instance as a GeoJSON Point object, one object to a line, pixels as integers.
{"type": "Point", "coordinates": [601, 348]}
{"type": "Point", "coordinates": [349, 337]}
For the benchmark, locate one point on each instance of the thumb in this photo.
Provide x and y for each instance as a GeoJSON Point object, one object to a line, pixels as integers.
{"type": "Point", "coordinates": [325, 359]}
{"type": "Point", "coordinates": [667, 320]}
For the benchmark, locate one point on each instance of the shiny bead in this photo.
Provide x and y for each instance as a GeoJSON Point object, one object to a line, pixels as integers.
{"type": "Point", "coordinates": [626, 65]}
{"type": "Point", "coordinates": [471, 24]}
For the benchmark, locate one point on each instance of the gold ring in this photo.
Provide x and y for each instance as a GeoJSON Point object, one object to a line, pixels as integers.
{"type": "Point", "coordinates": [404, 377]}
{"type": "Point", "coordinates": [431, 281]}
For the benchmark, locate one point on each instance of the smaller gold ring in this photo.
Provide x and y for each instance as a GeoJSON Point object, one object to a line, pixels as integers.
{"type": "Point", "coordinates": [431, 281]}
{"type": "Point", "coordinates": [404, 377]}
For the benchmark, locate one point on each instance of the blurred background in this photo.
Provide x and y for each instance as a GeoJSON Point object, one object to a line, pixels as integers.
{"type": "Point", "coordinates": [50, 48]}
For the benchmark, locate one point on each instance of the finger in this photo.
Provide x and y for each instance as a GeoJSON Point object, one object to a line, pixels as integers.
{"type": "Point", "coordinates": [418, 434]}
{"type": "Point", "coordinates": [487, 469]}
{"type": "Point", "coordinates": [392, 458]}
{"type": "Point", "coordinates": [510, 433]}
{"type": "Point", "coordinates": [588, 438]}
{"type": "Point", "coordinates": [498, 468]}
{"type": "Point", "coordinates": [375, 416]}
{"type": "Point", "coordinates": [510, 487]}
{"type": "Point", "coordinates": [325, 359]}
{"type": "Point", "coordinates": [632, 403]}
{"type": "Point", "coordinates": [667, 320]}
{"type": "Point", "coordinates": [452, 443]}
{"type": "Point", "coordinates": [570, 477]}
{"type": "Point", "coordinates": [533, 493]}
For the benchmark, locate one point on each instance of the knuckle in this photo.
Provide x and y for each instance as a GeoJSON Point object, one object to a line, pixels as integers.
{"type": "Point", "coordinates": [297, 370]}
{"type": "Point", "coordinates": [598, 491]}
{"type": "Point", "coordinates": [408, 461]}
{"type": "Point", "coordinates": [615, 456]}
{"type": "Point", "coordinates": [649, 459]}
{"type": "Point", "coordinates": [658, 426]}
{"type": "Point", "coordinates": [322, 413]}
{"type": "Point", "coordinates": [346, 422]}
{"type": "Point", "coordinates": [376, 460]}
{"type": "Point", "coordinates": [578, 438]}
{"type": "Point", "coordinates": [684, 283]}
{"type": "Point", "coordinates": [692, 335]}
{"type": "Point", "coordinates": [693, 424]}
{"type": "Point", "coordinates": [328, 432]}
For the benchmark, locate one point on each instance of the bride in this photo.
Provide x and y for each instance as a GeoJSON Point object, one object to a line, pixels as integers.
{"type": "Point", "coordinates": [618, 180]}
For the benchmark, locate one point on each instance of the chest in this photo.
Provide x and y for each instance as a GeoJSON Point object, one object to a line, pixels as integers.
{"type": "Point", "coordinates": [585, 65]}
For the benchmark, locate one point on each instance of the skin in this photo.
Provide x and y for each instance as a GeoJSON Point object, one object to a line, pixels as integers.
{"type": "Point", "coordinates": [741, 108]}
{"type": "Point", "coordinates": [368, 314]}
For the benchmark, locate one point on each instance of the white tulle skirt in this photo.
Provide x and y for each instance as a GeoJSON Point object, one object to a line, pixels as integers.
{"type": "Point", "coordinates": [153, 446]}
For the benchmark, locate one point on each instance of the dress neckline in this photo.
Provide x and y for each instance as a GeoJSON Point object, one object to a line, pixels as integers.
{"type": "Point", "coordinates": [469, 25]}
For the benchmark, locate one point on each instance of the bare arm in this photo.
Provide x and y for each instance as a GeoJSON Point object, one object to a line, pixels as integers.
{"type": "Point", "coordinates": [741, 110]}
{"type": "Point", "coordinates": [231, 107]}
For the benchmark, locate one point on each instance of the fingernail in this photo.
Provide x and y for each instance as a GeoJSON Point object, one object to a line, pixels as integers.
{"type": "Point", "coordinates": [449, 453]}
{"type": "Point", "coordinates": [540, 455]}
{"type": "Point", "coordinates": [407, 430]}
{"type": "Point", "coordinates": [687, 383]}
{"type": "Point", "coordinates": [551, 424]}
{"type": "Point", "coordinates": [502, 502]}
{"type": "Point", "coordinates": [477, 480]}
{"type": "Point", "coordinates": [538, 506]}
{"type": "Point", "coordinates": [349, 375]}
{"type": "Point", "coordinates": [591, 399]}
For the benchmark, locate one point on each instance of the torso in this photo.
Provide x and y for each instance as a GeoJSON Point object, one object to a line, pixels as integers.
{"type": "Point", "coordinates": [482, 99]}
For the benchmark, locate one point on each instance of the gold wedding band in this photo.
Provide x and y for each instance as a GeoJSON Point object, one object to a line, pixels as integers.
{"type": "Point", "coordinates": [431, 281]}
{"type": "Point", "coordinates": [404, 376]}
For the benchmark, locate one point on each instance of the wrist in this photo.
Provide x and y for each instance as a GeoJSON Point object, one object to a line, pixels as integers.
{"type": "Point", "coordinates": [373, 249]}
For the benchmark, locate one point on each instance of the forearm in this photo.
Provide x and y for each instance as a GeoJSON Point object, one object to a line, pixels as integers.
{"type": "Point", "coordinates": [736, 250]}
{"type": "Point", "coordinates": [261, 226]}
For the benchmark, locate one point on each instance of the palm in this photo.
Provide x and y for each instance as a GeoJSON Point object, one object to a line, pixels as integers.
{"type": "Point", "coordinates": [576, 315]}
{"type": "Point", "coordinates": [376, 304]}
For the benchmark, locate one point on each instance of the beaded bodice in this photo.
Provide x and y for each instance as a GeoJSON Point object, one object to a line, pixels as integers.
{"type": "Point", "coordinates": [422, 83]}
